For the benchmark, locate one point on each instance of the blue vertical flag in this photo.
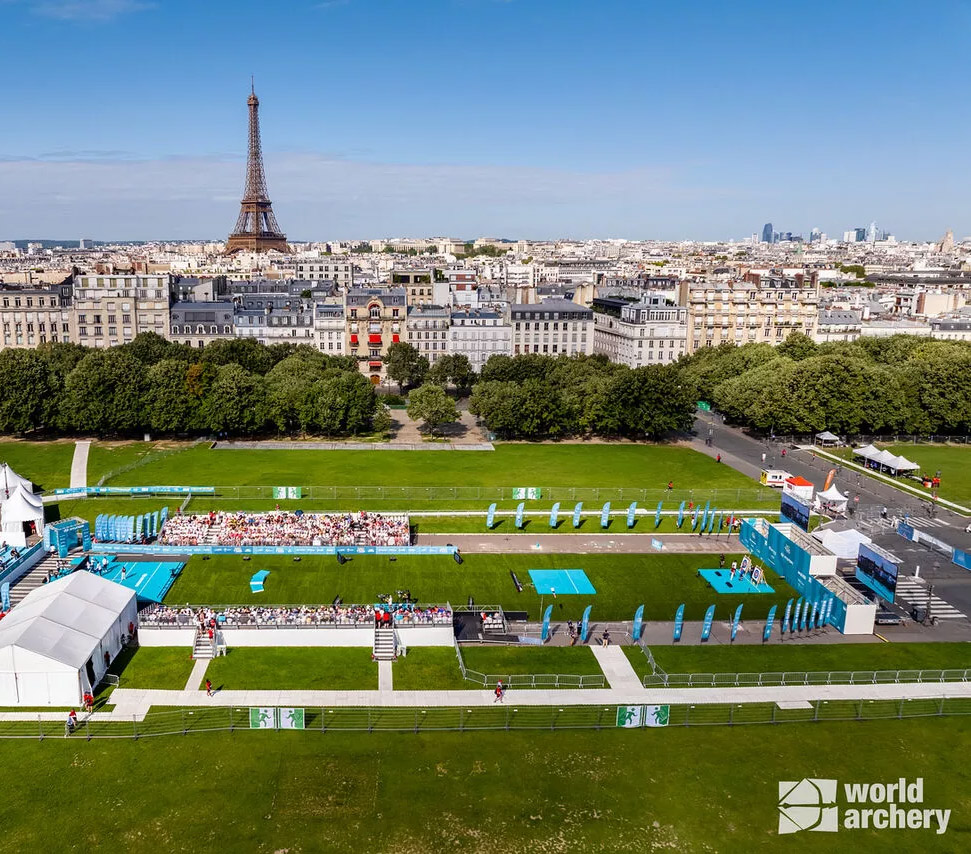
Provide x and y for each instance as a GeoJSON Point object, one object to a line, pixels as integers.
{"type": "Point", "coordinates": [704, 517]}
{"type": "Point", "coordinates": [785, 619]}
{"type": "Point", "coordinates": [711, 521]}
{"type": "Point", "coordinates": [519, 514]}
{"type": "Point", "coordinates": [679, 622]}
{"type": "Point", "coordinates": [694, 519]}
{"type": "Point", "coordinates": [681, 514]}
{"type": "Point", "coordinates": [491, 515]}
{"type": "Point", "coordinates": [5, 597]}
{"type": "Point", "coordinates": [706, 627]}
{"type": "Point", "coordinates": [657, 515]}
{"type": "Point", "coordinates": [804, 614]}
{"type": "Point", "coordinates": [736, 620]}
{"type": "Point", "coordinates": [605, 515]}
{"type": "Point", "coordinates": [585, 624]}
{"type": "Point", "coordinates": [767, 632]}
{"type": "Point", "coordinates": [576, 514]}
{"type": "Point", "coordinates": [546, 621]}
{"type": "Point", "coordinates": [631, 514]}
{"type": "Point", "coordinates": [554, 513]}
{"type": "Point", "coordinates": [796, 613]}
{"type": "Point", "coordinates": [812, 615]}
{"type": "Point", "coordinates": [638, 621]}
{"type": "Point", "coordinates": [829, 610]}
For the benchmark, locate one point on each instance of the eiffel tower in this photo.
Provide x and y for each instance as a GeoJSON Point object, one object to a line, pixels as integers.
{"type": "Point", "coordinates": [256, 229]}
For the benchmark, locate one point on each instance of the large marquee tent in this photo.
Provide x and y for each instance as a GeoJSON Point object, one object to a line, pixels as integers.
{"type": "Point", "coordinates": [56, 644]}
{"type": "Point", "coordinates": [884, 460]}
{"type": "Point", "coordinates": [19, 506]}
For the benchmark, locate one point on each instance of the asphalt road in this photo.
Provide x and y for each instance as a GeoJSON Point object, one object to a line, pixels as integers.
{"type": "Point", "coordinates": [744, 453]}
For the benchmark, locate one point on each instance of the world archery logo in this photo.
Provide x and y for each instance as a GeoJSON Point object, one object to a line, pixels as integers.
{"type": "Point", "coordinates": [809, 804]}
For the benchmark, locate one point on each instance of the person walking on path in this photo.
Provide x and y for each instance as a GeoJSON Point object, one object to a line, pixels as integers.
{"type": "Point", "coordinates": [500, 691]}
{"type": "Point", "coordinates": [605, 639]}
{"type": "Point", "coordinates": [763, 457]}
{"type": "Point", "coordinates": [208, 687]}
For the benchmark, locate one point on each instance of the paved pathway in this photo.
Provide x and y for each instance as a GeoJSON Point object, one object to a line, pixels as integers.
{"type": "Point", "coordinates": [584, 543]}
{"type": "Point", "coordinates": [385, 676]}
{"type": "Point", "coordinates": [135, 703]}
{"type": "Point", "coordinates": [613, 662]}
{"type": "Point", "coordinates": [352, 446]}
{"type": "Point", "coordinates": [79, 465]}
{"type": "Point", "coordinates": [197, 675]}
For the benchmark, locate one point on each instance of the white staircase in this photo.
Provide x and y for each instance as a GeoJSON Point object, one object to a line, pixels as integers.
{"type": "Point", "coordinates": [33, 579]}
{"type": "Point", "coordinates": [202, 647]}
{"type": "Point", "coordinates": [384, 644]}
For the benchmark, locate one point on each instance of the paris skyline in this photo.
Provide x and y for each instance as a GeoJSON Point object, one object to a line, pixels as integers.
{"type": "Point", "coordinates": [378, 121]}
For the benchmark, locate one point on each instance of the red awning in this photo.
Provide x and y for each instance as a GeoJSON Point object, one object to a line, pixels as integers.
{"type": "Point", "coordinates": [354, 339]}
{"type": "Point", "coordinates": [395, 339]}
{"type": "Point", "coordinates": [377, 364]}
{"type": "Point", "coordinates": [374, 339]}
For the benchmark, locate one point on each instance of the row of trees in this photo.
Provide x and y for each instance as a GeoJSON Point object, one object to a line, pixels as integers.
{"type": "Point", "coordinates": [238, 387]}
{"type": "Point", "coordinates": [874, 385]}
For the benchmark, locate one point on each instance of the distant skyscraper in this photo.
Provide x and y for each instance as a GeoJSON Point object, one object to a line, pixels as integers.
{"type": "Point", "coordinates": [767, 233]}
{"type": "Point", "coordinates": [860, 235]}
{"type": "Point", "coordinates": [871, 233]}
{"type": "Point", "coordinates": [815, 236]}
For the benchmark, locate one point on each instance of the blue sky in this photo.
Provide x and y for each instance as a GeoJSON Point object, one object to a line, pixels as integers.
{"type": "Point", "coordinates": [523, 118]}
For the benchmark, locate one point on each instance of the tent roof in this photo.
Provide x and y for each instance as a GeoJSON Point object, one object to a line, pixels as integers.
{"type": "Point", "coordinates": [867, 451]}
{"type": "Point", "coordinates": [20, 508]}
{"type": "Point", "coordinates": [844, 544]}
{"type": "Point", "coordinates": [903, 463]}
{"type": "Point", "coordinates": [62, 621]}
{"type": "Point", "coordinates": [827, 436]}
{"type": "Point", "coordinates": [831, 494]}
{"type": "Point", "coordinates": [9, 479]}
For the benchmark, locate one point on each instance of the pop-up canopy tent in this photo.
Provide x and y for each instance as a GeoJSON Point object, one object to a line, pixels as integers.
{"type": "Point", "coordinates": [884, 460]}
{"type": "Point", "coordinates": [831, 499]}
{"type": "Point", "coordinates": [827, 439]}
{"type": "Point", "coordinates": [56, 644]}
{"type": "Point", "coordinates": [22, 507]}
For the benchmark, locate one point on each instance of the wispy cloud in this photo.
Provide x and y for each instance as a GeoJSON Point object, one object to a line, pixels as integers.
{"type": "Point", "coordinates": [89, 10]}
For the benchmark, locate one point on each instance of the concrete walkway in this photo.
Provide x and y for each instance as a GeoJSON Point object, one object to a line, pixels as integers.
{"type": "Point", "coordinates": [584, 543]}
{"type": "Point", "coordinates": [197, 675]}
{"type": "Point", "coordinates": [79, 465]}
{"type": "Point", "coordinates": [613, 662]}
{"type": "Point", "coordinates": [385, 676]}
{"type": "Point", "coordinates": [352, 446]}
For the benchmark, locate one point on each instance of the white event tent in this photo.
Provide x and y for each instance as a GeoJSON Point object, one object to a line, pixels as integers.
{"type": "Point", "coordinates": [831, 499]}
{"type": "Point", "coordinates": [55, 645]}
{"type": "Point", "coordinates": [843, 544]}
{"type": "Point", "coordinates": [22, 506]}
{"type": "Point", "coordinates": [878, 459]}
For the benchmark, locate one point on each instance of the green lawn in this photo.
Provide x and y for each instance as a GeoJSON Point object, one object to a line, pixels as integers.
{"type": "Point", "coordinates": [704, 789]}
{"type": "Point", "coordinates": [428, 668]}
{"type": "Point", "coordinates": [107, 457]}
{"type": "Point", "coordinates": [47, 464]}
{"type": "Point", "coordinates": [165, 668]}
{"type": "Point", "coordinates": [503, 660]}
{"type": "Point", "coordinates": [298, 668]}
{"type": "Point", "coordinates": [622, 581]}
{"type": "Point", "coordinates": [540, 525]}
{"type": "Point", "coordinates": [776, 656]}
{"type": "Point", "coordinates": [89, 508]}
{"type": "Point", "coordinates": [952, 461]}
{"type": "Point", "coordinates": [597, 465]}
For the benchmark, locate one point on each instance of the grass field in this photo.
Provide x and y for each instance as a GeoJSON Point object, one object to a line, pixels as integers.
{"type": "Point", "coordinates": [622, 581]}
{"type": "Point", "coordinates": [777, 656]}
{"type": "Point", "coordinates": [642, 466]}
{"type": "Point", "coordinates": [503, 660]}
{"type": "Point", "coordinates": [297, 668]}
{"type": "Point", "coordinates": [705, 789]}
{"type": "Point", "coordinates": [429, 668]}
{"type": "Point", "coordinates": [153, 667]}
{"type": "Point", "coordinates": [952, 461]}
{"type": "Point", "coordinates": [47, 464]}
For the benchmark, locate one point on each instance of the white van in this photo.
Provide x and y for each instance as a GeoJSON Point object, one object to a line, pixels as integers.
{"type": "Point", "coordinates": [774, 477]}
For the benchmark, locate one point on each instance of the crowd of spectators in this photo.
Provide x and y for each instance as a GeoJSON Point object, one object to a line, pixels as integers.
{"type": "Point", "coordinates": [403, 614]}
{"type": "Point", "coordinates": [285, 528]}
